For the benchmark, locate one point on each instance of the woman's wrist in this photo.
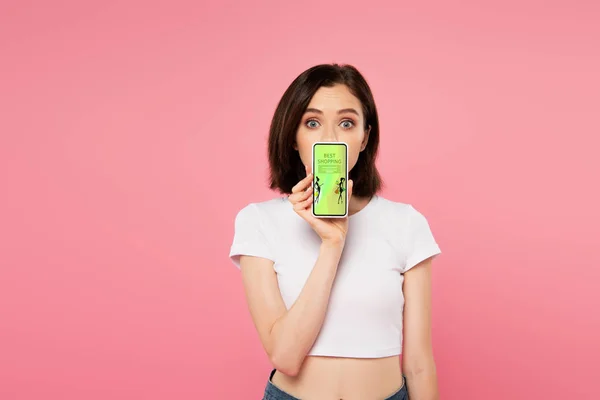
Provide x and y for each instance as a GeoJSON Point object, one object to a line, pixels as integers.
{"type": "Point", "coordinates": [333, 245]}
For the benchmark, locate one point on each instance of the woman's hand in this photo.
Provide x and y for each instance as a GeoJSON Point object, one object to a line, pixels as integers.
{"type": "Point", "coordinates": [330, 230]}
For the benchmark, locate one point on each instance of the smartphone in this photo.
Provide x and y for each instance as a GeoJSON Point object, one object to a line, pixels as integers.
{"type": "Point", "coordinates": [330, 179]}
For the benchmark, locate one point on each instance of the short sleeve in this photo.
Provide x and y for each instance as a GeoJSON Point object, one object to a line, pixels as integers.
{"type": "Point", "coordinates": [249, 237]}
{"type": "Point", "coordinates": [420, 243]}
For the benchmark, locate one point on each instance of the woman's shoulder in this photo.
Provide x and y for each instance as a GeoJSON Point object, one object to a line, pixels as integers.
{"type": "Point", "coordinates": [266, 204]}
{"type": "Point", "coordinates": [260, 208]}
{"type": "Point", "coordinates": [412, 229]}
{"type": "Point", "coordinates": [393, 208]}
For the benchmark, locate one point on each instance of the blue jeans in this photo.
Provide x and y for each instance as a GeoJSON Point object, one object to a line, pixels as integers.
{"type": "Point", "coordinates": [272, 392]}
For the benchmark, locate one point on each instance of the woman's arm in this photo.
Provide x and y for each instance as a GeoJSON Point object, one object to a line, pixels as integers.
{"type": "Point", "coordinates": [418, 361]}
{"type": "Point", "coordinates": [288, 335]}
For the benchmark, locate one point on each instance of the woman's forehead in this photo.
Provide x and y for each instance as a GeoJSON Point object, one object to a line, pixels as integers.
{"type": "Point", "coordinates": [334, 99]}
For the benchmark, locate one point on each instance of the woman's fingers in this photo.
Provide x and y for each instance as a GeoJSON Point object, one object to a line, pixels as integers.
{"type": "Point", "coordinates": [302, 205]}
{"type": "Point", "coordinates": [302, 193]}
{"type": "Point", "coordinates": [300, 186]}
{"type": "Point", "coordinates": [301, 196]}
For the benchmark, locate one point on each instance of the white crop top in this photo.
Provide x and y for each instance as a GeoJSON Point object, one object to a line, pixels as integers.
{"type": "Point", "coordinates": [365, 312]}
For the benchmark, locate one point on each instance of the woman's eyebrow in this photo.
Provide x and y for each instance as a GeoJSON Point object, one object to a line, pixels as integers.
{"type": "Point", "coordinates": [344, 110]}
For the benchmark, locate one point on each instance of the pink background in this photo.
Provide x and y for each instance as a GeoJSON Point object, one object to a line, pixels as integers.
{"type": "Point", "coordinates": [123, 125]}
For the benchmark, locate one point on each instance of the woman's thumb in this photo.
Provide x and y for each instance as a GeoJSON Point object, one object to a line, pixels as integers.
{"type": "Point", "coordinates": [350, 187]}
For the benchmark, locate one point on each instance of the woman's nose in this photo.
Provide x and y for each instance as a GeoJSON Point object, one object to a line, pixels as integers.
{"type": "Point", "coordinates": [329, 135]}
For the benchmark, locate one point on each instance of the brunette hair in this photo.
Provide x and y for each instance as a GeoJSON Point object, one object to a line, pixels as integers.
{"type": "Point", "coordinates": [285, 165]}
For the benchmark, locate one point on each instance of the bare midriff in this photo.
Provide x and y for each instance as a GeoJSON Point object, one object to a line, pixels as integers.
{"type": "Point", "coordinates": [333, 378]}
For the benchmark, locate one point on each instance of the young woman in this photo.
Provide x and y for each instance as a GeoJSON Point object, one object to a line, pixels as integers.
{"type": "Point", "coordinates": [336, 301]}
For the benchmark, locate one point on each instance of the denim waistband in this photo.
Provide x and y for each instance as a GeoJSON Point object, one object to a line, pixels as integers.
{"type": "Point", "coordinates": [272, 392]}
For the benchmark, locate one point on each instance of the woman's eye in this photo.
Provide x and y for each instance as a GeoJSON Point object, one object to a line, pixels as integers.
{"type": "Point", "coordinates": [314, 124]}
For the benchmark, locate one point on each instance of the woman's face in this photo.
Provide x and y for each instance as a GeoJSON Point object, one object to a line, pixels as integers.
{"type": "Point", "coordinates": [333, 115]}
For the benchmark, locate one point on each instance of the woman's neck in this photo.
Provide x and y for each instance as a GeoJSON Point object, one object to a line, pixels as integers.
{"type": "Point", "coordinates": [357, 204]}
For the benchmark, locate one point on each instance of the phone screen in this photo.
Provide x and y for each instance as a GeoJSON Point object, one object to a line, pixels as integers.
{"type": "Point", "coordinates": [330, 179]}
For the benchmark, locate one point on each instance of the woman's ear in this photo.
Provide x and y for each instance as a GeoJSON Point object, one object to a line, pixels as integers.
{"type": "Point", "coordinates": [366, 139]}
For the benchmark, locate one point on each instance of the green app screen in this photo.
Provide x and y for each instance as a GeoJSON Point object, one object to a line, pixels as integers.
{"type": "Point", "coordinates": [330, 179]}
